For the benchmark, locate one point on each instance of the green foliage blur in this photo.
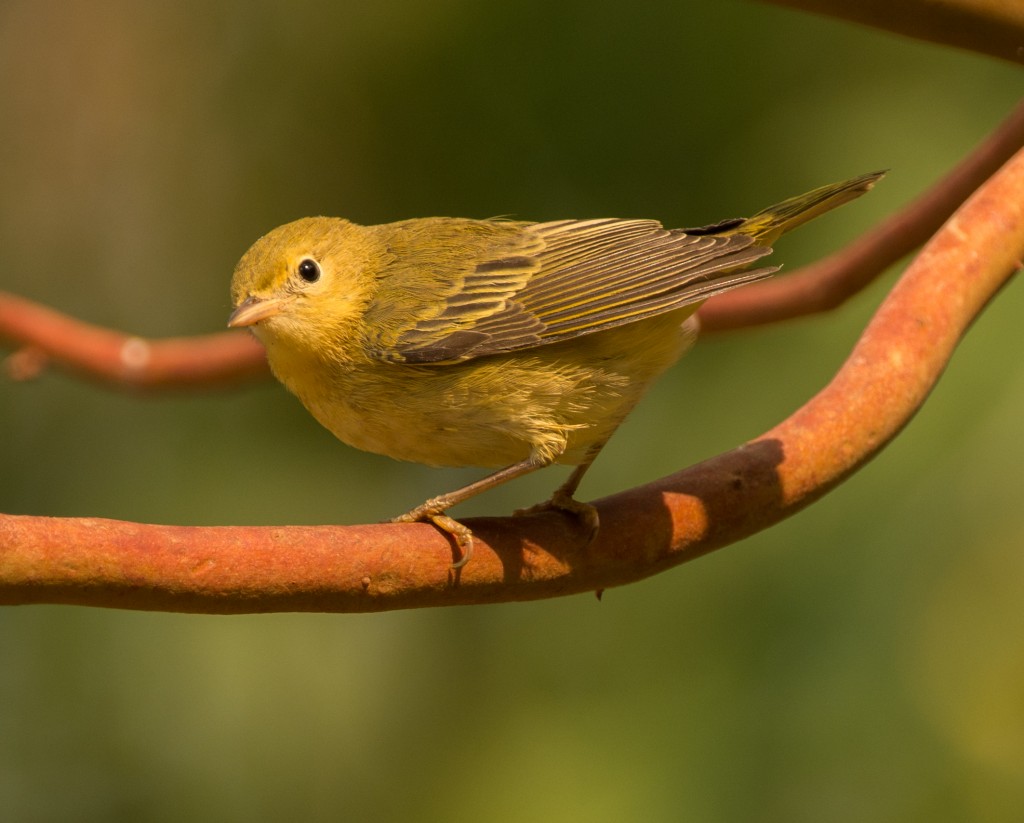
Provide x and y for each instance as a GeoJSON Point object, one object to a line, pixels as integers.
{"type": "Point", "coordinates": [862, 661]}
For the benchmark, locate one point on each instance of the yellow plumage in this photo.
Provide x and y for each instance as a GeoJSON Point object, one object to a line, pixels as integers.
{"type": "Point", "coordinates": [489, 342]}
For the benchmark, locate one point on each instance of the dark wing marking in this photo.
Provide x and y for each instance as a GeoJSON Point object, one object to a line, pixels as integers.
{"type": "Point", "coordinates": [575, 277]}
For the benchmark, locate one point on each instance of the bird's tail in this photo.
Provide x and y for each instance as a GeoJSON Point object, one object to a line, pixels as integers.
{"type": "Point", "coordinates": [769, 224]}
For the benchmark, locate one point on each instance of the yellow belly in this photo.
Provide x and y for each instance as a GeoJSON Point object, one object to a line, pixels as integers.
{"type": "Point", "coordinates": [553, 401]}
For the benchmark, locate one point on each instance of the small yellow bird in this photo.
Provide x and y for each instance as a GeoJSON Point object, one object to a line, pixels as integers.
{"type": "Point", "coordinates": [457, 342]}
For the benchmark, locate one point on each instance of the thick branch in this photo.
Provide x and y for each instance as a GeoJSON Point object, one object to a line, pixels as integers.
{"type": "Point", "coordinates": [827, 283]}
{"type": "Point", "coordinates": [644, 531]}
{"type": "Point", "coordinates": [992, 27]}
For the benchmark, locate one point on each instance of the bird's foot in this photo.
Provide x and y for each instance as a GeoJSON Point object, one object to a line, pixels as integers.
{"type": "Point", "coordinates": [564, 502]}
{"type": "Point", "coordinates": [430, 512]}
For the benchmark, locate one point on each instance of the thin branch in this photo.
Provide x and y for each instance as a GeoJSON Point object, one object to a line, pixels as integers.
{"type": "Point", "coordinates": [827, 283]}
{"type": "Point", "coordinates": [992, 27]}
{"type": "Point", "coordinates": [643, 531]}
{"type": "Point", "coordinates": [44, 335]}
{"type": "Point", "coordinates": [120, 359]}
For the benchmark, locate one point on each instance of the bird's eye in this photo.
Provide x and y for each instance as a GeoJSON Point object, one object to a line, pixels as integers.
{"type": "Point", "coordinates": [309, 270]}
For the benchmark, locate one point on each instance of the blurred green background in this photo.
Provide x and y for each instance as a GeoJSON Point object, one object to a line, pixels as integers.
{"type": "Point", "coordinates": [863, 661]}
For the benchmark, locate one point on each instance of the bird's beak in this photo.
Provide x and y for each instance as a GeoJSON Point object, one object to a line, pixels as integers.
{"type": "Point", "coordinates": [253, 309]}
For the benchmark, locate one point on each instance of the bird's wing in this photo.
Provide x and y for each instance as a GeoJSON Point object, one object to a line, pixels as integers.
{"type": "Point", "coordinates": [543, 283]}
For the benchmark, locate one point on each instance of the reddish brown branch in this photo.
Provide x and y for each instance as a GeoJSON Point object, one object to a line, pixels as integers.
{"type": "Point", "coordinates": [124, 360]}
{"type": "Point", "coordinates": [992, 27]}
{"type": "Point", "coordinates": [45, 335]}
{"type": "Point", "coordinates": [218, 359]}
{"type": "Point", "coordinates": [829, 282]}
{"type": "Point", "coordinates": [646, 530]}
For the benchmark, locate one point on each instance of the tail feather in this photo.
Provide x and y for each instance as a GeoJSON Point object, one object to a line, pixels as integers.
{"type": "Point", "coordinates": [768, 224]}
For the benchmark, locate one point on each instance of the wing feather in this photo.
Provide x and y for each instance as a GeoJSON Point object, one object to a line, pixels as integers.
{"type": "Point", "coordinates": [548, 282]}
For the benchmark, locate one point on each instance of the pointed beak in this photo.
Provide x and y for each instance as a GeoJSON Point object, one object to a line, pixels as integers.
{"type": "Point", "coordinates": [253, 309]}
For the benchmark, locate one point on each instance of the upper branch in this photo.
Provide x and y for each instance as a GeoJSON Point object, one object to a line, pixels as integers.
{"type": "Point", "coordinates": [643, 531]}
{"type": "Point", "coordinates": [126, 361]}
{"type": "Point", "coordinates": [825, 284]}
{"type": "Point", "coordinates": [992, 27]}
{"type": "Point", "coordinates": [120, 359]}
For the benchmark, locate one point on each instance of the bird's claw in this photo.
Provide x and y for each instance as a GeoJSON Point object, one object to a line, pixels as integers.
{"type": "Point", "coordinates": [461, 534]}
{"type": "Point", "coordinates": [562, 502]}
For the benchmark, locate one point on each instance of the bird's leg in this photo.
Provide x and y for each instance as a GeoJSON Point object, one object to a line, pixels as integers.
{"type": "Point", "coordinates": [434, 509]}
{"type": "Point", "coordinates": [563, 500]}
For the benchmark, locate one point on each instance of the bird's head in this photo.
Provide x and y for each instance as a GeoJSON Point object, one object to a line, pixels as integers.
{"type": "Point", "coordinates": [304, 283]}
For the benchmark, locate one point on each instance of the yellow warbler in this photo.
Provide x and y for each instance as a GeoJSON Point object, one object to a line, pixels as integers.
{"type": "Point", "coordinates": [457, 342]}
